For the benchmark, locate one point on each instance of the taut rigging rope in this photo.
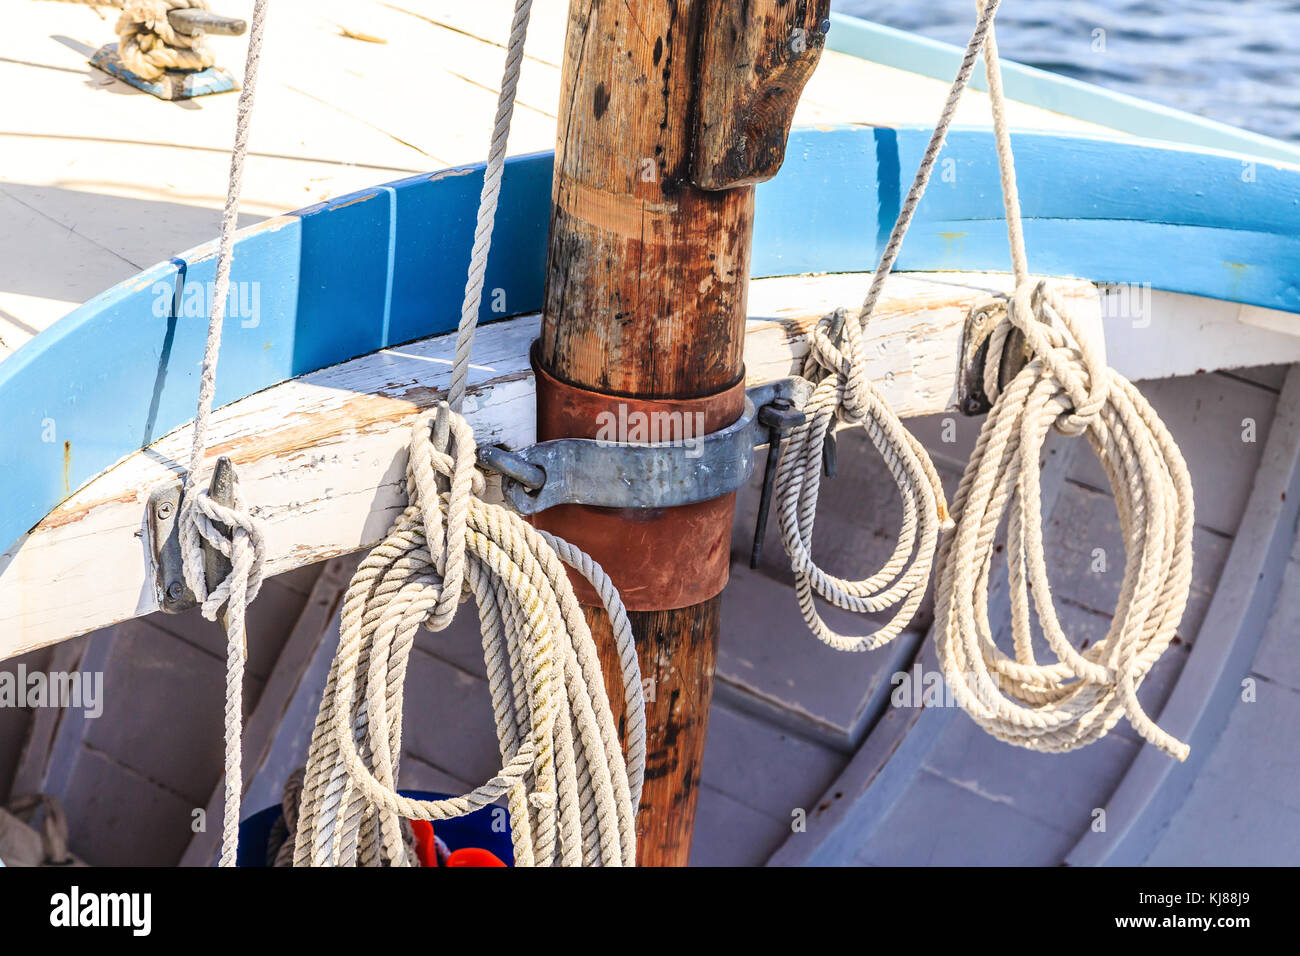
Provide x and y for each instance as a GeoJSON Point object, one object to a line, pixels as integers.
{"type": "Point", "coordinates": [200, 514]}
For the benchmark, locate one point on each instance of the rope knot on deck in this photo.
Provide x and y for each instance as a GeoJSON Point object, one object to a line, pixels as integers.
{"type": "Point", "coordinates": [148, 44]}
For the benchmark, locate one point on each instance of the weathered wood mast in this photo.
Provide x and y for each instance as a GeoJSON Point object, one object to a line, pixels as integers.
{"type": "Point", "coordinates": [670, 112]}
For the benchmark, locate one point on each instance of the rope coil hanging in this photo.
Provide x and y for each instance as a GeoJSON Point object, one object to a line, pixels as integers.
{"type": "Point", "coordinates": [571, 797]}
{"type": "Point", "coordinates": [571, 794]}
{"type": "Point", "coordinates": [1065, 385]}
{"type": "Point", "coordinates": [837, 362]}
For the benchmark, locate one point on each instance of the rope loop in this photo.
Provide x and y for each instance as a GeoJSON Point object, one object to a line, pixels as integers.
{"type": "Point", "coordinates": [571, 793]}
{"type": "Point", "coordinates": [1066, 386]}
{"type": "Point", "coordinates": [840, 394]}
{"type": "Point", "coordinates": [442, 459]}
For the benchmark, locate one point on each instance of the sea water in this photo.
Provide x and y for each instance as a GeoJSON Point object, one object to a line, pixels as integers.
{"type": "Point", "coordinates": [1236, 61]}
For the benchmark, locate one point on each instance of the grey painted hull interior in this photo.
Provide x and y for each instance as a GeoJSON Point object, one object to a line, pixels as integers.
{"type": "Point", "coordinates": [813, 756]}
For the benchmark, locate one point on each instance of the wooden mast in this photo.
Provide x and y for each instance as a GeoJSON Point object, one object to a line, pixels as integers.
{"type": "Point", "coordinates": [670, 112]}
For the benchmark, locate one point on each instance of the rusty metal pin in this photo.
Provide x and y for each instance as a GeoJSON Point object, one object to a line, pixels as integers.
{"type": "Point", "coordinates": [779, 416]}
{"type": "Point", "coordinates": [509, 465]}
{"type": "Point", "coordinates": [193, 22]}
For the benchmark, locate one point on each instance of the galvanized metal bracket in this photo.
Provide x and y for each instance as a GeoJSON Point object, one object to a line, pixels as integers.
{"type": "Point", "coordinates": [669, 474]}
{"type": "Point", "coordinates": [163, 525]}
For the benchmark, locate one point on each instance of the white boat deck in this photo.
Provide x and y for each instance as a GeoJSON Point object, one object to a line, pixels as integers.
{"type": "Point", "coordinates": [99, 180]}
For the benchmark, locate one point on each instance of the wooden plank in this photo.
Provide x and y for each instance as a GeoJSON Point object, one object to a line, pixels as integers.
{"type": "Point", "coordinates": [16, 722]}
{"type": "Point", "coordinates": [70, 734]}
{"type": "Point", "coordinates": [119, 817]}
{"type": "Point", "coordinates": [1277, 660]}
{"type": "Point", "coordinates": [155, 681]}
{"type": "Point", "coordinates": [1209, 688]}
{"type": "Point", "coordinates": [742, 751]}
{"type": "Point", "coordinates": [263, 724]}
{"type": "Point", "coordinates": [1217, 828]}
{"type": "Point", "coordinates": [333, 441]}
{"type": "Point", "coordinates": [731, 833]}
{"type": "Point", "coordinates": [1224, 424]}
{"type": "Point", "coordinates": [345, 278]}
{"type": "Point", "coordinates": [941, 823]}
{"type": "Point", "coordinates": [770, 666]}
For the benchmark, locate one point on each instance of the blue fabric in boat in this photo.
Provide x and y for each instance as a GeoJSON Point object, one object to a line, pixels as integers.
{"type": "Point", "coordinates": [473, 830]}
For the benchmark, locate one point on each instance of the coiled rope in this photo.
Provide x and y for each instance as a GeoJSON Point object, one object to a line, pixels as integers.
{"type": "Point", "coordinates": [1065, 385]}
{"type": "Point", "coordinates": [571, 794]}
{"type": "Point", "coordinates": [147, 44]}
{"type": "Point", "coordinates": [229, 529]}
{"type": "Point", "coordinates": [837, 362]}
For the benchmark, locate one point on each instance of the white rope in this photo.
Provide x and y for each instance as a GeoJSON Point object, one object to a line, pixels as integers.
{"type": "Point", "coordinates": [1066, 385]}
{"type": "Point", "coordinates": [845, 393]}
{"type": "Point", "coordinates": [243, 544]}
{"type": "Point", "coordinates": [572, 795]}
{"type": "Point", "coordinates": [487, 205]}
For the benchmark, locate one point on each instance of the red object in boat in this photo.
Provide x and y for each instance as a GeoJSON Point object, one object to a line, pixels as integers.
{"type": "Point", "coordinates": [473, 856]}
{"type": "Point", "coordinates": [426, 847]}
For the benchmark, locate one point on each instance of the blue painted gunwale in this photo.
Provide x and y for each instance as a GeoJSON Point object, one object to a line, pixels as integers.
{"type": "Point", "coordinates": [386, 265]}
